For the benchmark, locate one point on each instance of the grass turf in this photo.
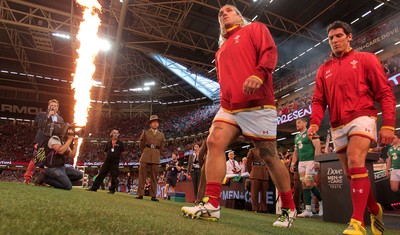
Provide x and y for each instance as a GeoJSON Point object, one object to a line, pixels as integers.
{"type": "Point", "coordinates": [44, 210]}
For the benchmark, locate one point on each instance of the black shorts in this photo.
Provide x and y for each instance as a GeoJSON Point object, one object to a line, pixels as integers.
{"type": "Point", "coordinates": [172, 181]}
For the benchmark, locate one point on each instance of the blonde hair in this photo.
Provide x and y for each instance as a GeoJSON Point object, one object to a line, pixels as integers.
{"type": "Point", "coordinates": [223, 33]}
{"type": "Point", "coordinates": [52, 101]}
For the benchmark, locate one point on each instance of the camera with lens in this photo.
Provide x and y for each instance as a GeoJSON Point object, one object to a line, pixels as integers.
{"type": "Point", "coordinates": [61, 129]}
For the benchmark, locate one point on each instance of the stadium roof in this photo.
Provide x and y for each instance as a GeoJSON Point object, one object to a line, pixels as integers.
{"type": "Point", "coordinates": [180, 32]}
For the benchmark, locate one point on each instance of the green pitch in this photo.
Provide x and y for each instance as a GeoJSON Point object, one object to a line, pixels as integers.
{"type": "Point", "coordinates": [43, 210]}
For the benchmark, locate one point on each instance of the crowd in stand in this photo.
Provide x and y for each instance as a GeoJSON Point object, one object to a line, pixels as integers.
{"type": "Point", "coordinates": [178, 125]}
{"type": "Point", "coordinates": [181, 123]}
{"type": "Point", "coordinates": [299, 102]}
{"type": "Point", "coordinates": [376, 32]}
{"type": "Point", "coordinates": [9, 175]}
{"type": "Point", "coordinates": [391, 66]}
{"type": "Point", "coordinates": [358, 43]}
{"type": "Point", "coordinates": [16, 142]}
{"type": "Point", "coordinates": [176, 122]}
{"type": "Point", "coordinates": [296, 77]}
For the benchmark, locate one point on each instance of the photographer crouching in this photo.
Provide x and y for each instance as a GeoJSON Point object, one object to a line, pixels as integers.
{"type": "Point", "coordinates": [57, 152]}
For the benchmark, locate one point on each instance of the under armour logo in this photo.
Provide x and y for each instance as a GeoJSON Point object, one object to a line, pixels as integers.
{"type": "Point", "coordinates": [265, 132]}
{"type": "Point", "coordinates": [367, 130]}
{"type": "Point", "coordinates": [237, 39]}
{"type": "Point", "coordinates": [358, 190]}
{"type": "Point", "coordinates": [354, 63]}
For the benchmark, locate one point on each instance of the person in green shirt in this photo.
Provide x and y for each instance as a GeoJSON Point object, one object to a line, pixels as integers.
{"type": "Point", "coordinates": [305, 151]}
{"type": "Point", "coordinates": [393, 162]}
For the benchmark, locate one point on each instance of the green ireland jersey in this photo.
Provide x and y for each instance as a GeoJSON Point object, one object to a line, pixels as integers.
{"type": "Point", "coordinates": [394, 154]}
{"type": "Point", "coordinates": [304, 146]}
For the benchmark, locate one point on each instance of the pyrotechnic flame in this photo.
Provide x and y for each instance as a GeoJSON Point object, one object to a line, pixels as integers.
{"type": "Point", "coordinates": [85, 66]}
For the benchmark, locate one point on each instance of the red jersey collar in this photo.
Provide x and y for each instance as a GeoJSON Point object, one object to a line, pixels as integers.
{"type": "Point", "coordinates": [232, 30]}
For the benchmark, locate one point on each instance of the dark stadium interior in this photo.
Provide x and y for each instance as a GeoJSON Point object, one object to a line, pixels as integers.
{"type": "Point", "coordinates": [183, 31]}
{"type": "Point", "coordinates": [172, 44]}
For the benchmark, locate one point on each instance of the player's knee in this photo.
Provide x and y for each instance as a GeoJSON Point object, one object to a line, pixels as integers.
{"type": "Point", "coordinates": [356, 162]}
{"type": "Point", "coordinates": [215, 141]}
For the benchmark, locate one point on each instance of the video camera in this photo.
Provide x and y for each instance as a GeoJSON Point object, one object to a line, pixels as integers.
{"type": "Point", "coordinates": [61, 129]}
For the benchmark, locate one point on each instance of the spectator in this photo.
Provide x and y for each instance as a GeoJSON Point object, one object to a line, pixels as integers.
{"type": "Point", "coordinates": [173, 168]}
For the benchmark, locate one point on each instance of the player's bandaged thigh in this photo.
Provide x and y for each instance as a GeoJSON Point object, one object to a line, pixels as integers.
{"type": "Point", "coordinates": [309, 178]}
{"type": "Point", "coordinates": [395, 175]}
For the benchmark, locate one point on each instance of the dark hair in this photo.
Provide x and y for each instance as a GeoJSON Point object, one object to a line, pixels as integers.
{"type": "Point", "coordinates": [112, 130]}
{"type": "Point", "coordinates": [175, 153]}
{"type": "Point", "coordinates": [339, 25]}
{"type": "Point", "coordinates": [397, 133]}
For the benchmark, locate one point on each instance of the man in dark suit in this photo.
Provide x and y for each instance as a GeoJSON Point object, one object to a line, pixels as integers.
{"type": "Point", "coordinates": [194, 168]}
{"type": "Point", "coordinates": [114, 149]}
{"type": "Point", "coordinates": [152, 145]}
{"type": "Point", "coordinates": [50, 116]}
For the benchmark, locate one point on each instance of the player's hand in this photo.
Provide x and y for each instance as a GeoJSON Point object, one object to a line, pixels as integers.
{"type": "Point", "coordinates": [312, 131]}
{"type": "Point", "coordinates": [251, 85]}
{"type": "Point", "coordinates": [385, 136]}
{"type": "Point", "coordinates": [292, 169]}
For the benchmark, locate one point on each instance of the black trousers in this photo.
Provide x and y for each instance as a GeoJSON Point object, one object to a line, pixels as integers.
{"type": "Point", "coordinates": [109, 166]}
{"type": "Point", "coordinates": [195, 174]}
